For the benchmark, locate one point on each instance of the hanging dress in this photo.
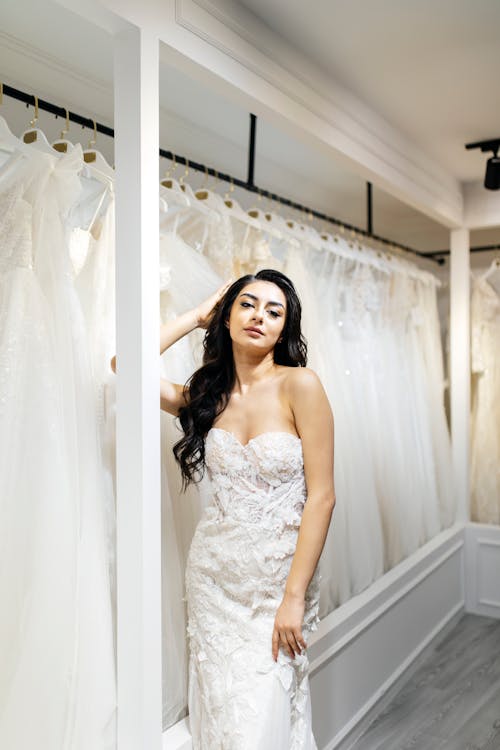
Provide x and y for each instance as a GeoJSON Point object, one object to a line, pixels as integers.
{"type": "Point", "coordinates": [57, 685]}
{"type": "Point", "coordinates": [485, 426]}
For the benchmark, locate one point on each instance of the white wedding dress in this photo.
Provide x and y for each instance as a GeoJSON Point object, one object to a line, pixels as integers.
{"type": "Point", "coordinates": [238, 564]}
{"type": "Point", "coordinates": [485, 427]}
{"type": "Point", "coordinates": [57, 671]}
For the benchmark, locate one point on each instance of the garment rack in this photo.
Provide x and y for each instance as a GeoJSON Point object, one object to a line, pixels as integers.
{"type": "Point", "coordinates": [86, 122]}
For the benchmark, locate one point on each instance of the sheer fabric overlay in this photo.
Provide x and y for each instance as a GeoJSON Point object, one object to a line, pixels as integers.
{"type": "Point", "coordinates": [57, 665]}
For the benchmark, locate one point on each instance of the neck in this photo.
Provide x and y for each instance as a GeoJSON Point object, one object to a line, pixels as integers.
{"type": "Point", "coordinates": [250, 369]}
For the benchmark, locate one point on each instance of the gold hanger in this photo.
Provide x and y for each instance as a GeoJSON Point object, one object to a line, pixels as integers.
{"type": "Point", "coordinates": [268, 215]}
{"type": "Point", "coordinates": [91, 155]}
{"type": "Point", "coordinates": [182, 178]}
{"type": "Point", "coordinates": [62, 144]}
{"type": "Point", "coordinates": [227, 197]}
{"type": "Point", "coordinates": [254, 212]}
{"type": "Point", "coordinates": [167, 181]}
{"type": "Point", "coordinates": [31, 134]}
{"type": "Point", "coordinates": [202, 193]}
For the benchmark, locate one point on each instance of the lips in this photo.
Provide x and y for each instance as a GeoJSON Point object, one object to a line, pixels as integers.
{"type": "Point", "coordinates": [255, 330]}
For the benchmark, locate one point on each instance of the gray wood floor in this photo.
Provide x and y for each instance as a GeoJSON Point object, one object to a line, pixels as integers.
{"type": "Point", "coordinates": [452, 702]}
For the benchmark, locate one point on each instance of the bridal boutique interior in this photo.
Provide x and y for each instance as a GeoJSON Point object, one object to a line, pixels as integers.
{"type": "Point", "coordinates": [269, 159]}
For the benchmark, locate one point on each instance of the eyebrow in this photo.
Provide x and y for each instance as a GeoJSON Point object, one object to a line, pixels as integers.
{"type": "Point", "coordinates": [252, 296]}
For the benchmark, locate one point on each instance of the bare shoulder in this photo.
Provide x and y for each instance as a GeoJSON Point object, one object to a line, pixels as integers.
{"type": "Point", "coordinates": [301, 379]}
{"type": "Point", "coordinates": [307, 397]}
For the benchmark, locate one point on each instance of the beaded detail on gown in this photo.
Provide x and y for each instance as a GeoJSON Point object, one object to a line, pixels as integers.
{"type": "Point", "coordinates": [237, 567]}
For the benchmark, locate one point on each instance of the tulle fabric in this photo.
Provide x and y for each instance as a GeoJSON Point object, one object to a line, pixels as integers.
{"type": "Point", "coordinates": [57, 677]}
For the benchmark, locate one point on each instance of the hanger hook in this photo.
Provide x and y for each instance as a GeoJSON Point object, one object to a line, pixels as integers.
{"type": "Point", "coordinates": [172, 167]}
{"type": "Point", "coordinates": [229, 190]}
{"type": "Point", "coordinates": [93, 140]}
{"type": "Point", "coordinates": [183, 177]}
{"type": "Point", "coordinates": [66, 129]}
{"type": "Point", "coordinates": [35, 117]}
{"type": "Point", "coordinates": [204, 184]}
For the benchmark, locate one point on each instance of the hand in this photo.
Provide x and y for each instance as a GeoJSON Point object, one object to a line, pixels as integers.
{"type": "Point", "coordinates": [287, 631]}
{"type": "Point", "coordinates": [113, 363]}
{"type": "Point", "coordinates": [205, 310]}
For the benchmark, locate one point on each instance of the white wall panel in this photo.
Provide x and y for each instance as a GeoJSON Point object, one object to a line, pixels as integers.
{"type": "Point", "coordinates": [483, 569]}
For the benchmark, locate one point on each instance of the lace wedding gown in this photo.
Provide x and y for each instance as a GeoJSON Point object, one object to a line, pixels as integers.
{"type": "Point", "coordinates": [238, 563]}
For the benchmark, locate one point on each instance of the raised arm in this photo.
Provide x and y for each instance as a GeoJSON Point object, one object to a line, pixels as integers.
{"type": "Point", "coordinates": [314, 423]}
{"type": "Point", "coordinates": [172, 394]}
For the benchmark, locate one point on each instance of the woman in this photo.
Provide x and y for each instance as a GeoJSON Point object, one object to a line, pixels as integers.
{"type": "Point", "coordinates": [260, 422]}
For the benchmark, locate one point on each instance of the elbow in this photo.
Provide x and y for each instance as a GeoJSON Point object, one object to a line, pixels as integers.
{"type": "Point", "coordinates": [325, 500]}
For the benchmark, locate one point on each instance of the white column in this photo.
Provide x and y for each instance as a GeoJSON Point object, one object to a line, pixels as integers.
{"type": "Point", "coordinates": [460, 366]}
{"type": "Point", "coordinates": [138, 417]}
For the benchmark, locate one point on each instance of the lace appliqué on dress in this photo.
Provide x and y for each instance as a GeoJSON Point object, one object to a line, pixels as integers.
{"type": "Point", "coordinates": [237, 568]}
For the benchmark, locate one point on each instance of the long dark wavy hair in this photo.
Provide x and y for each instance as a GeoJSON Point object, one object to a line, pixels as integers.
{"type": "Point", "coordinates": [208, 389]}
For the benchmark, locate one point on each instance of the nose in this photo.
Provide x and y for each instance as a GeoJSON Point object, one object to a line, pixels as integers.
{"type": "Point", "coordinates": [257, 314]}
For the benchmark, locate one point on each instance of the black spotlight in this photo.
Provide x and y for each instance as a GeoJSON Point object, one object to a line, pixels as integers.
{"type": "Point", "coordinates": [492, 176]}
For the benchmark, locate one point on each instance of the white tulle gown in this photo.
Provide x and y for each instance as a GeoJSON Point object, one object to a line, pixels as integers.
{"type": "Point", "coordinates": [57, 685]}
{"type": "Point", "coordinates": [238, 564]}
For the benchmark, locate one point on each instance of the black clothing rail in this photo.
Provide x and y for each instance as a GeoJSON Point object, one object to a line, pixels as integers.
{"type": "Point", "coordinates": [87, 122]}
{"type": "Point", "coordinates": [479, 249]}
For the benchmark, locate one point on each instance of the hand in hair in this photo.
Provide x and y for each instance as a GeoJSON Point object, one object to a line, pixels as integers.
{"type": "Point", "coordinates": [205, 310]}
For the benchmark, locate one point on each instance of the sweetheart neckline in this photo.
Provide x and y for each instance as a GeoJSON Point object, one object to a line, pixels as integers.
{"type": "Point", "coordinates": [267, 432]}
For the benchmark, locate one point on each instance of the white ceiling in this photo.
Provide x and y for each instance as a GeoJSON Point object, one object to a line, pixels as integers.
{"type": "Point", "coordinates": [438, 93]}
{"type": "Point", "coordinates": [429, 67]}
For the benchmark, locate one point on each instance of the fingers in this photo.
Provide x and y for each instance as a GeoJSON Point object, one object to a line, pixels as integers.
{"type": "Point", "coordinates": [286, 642]}
{"type": "Point", "coordinates": [276, 643]}
{"type": "Point", "coordinates": [223, 289]}
{"type": "Point", "coordinates": [291, 642]}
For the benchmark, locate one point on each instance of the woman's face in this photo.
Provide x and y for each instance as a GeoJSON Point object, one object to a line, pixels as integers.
{"type": "Point", "coordinates": [261, 306]}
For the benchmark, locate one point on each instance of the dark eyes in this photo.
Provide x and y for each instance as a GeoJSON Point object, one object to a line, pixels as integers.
{"type": "Point", "coordinates": [273, 313]}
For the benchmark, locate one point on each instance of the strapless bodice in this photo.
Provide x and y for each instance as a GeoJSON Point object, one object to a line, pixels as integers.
{"type": "Point", "coordinates": [261, 482]}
